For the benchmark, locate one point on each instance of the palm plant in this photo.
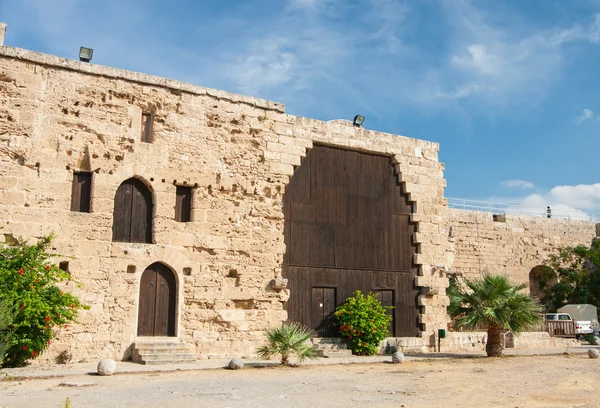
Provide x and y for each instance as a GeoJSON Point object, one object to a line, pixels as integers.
{"type": "Point", "coordinates": [286, 340]}
{"type": "Point", "coordinates": [494, 303]}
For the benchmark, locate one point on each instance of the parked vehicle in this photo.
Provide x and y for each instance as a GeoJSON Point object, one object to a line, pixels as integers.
{"type": "Point", "coordinates": [582, 312]}
{"type": "Point", "coordinates": [568, 325]}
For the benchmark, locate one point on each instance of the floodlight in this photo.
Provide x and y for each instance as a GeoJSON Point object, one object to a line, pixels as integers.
{"type": "Point", "coordinates": [358, 120]}
{"type": "Point", "coordinates": [85, 54]}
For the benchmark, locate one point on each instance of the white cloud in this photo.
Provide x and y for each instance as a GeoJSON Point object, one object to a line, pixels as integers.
{"type": "Point", "coordinates": [587, 114]}
{"type": "Point", "coordinates": [500, 64]}
{"type": "Point", "coordinates": [593, 33]}
{"type": "Point", "coordinates": [583, 196]}
{"type": "Point", "coordinates": [579, 202]}
{"type": "Point", "coordinates": [536, 204]}
{"type": "Point", "coordinates": [480, 60]}
{"type": "Point", "coordinates": [517, 184]}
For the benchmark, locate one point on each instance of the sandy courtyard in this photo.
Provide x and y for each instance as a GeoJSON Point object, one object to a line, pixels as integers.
{"type": "Point", "coordinates": [542, 381]}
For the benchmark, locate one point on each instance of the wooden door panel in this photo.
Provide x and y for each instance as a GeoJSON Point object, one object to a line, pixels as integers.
{"type": "Point", "coordinates": [157, 302]}
{"type": "Point", "coordinates": [141, 213]}
{"type": "Point", "coordinates": [164, 323]}
{"type": "Point", "coordinates": [147, 303]}
{"type": "Point", "coordinates": [122, 213]}
{"type": "Point", "coordinates": [323, 306]}
{"type": "Point", "coordinates": [386, 297]}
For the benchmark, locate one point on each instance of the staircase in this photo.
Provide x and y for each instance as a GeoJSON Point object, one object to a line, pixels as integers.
{"type": "Point", "coordinates": [161, 350]}
{"type": "Point", "coordinates": [331, 347]}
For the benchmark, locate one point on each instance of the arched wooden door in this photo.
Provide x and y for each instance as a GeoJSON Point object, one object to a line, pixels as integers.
{"type": "Point", "coordinates": [158, 300]}
{"type": "Point", "coordinates": [132, 216]}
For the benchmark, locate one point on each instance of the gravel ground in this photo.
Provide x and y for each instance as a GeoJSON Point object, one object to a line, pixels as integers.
{"type": "Point", "coordinates": [516, 381]}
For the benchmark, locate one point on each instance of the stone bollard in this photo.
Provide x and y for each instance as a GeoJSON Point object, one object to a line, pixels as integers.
{"type": "Point", "coordinates": [397, 358]}
{"type": "Point", "coordinates": [593, 353]}
{"type": "Point", "coordinates": [235, 364]}
{"type": "Point", "coordinates": [107, 367]}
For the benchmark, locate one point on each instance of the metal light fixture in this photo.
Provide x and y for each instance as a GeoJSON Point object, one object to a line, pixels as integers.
{"type": "Point", "coordinates": [85, 54]}
{"type": "Point", "coordinates": [358, 120]}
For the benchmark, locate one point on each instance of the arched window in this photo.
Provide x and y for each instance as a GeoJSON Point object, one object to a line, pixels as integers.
{"type": "Point", "coordinates": [132, 216]}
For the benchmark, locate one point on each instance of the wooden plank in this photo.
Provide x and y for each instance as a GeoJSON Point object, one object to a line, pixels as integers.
{"type": "Point", "coordinates": [316, 318]}
{"type": "Point", "coordinates": [147, 303]}
{"type": "Point", "coordinates": [164, 315]}
{"type": "Point", "coordinates": [122, 213]}
{"type": "Point", "coordinates": [329, 304]}
{"type": "Point", "coordinates": [141, 213]}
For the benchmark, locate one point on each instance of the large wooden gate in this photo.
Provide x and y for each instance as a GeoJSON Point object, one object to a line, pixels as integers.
{"type": "Point", "coordinates": [347, 228]}
{"type": "Point", "coordinates": [132, 216]}
{"type": "Point", "coordinates": [158, 300]}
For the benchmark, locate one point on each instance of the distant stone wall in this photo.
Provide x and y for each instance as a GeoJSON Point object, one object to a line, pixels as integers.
{"type": "Point", "coordinates": [61, 116]}
{"type": "Point", "coordinates": [513, 246]}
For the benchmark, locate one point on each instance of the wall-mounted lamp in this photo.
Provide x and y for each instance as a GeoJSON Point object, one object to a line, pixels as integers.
{"type": "Point", "coordinates": [85, 54]}
{"type": "Point", "coordinates": [358, 120]}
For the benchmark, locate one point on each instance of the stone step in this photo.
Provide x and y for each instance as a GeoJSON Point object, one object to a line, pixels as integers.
{"type": "Point", "coordinates": [328, 340]}
{"type": "Point", "coordinates": [162, 351]}
{"type": "Point", "coordinates": [334, 353]}
{"type": "Point", "coordinates": [158, 350]}
{"type": "Point", "coordinates": [331, 347]}
{"type": "Point", "coordinates": [159, 361]}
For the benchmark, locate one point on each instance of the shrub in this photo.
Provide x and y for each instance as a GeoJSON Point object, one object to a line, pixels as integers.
{"type": "Point", "coordinates": [6, 319]}
{"type": "Point", "coordinates": [286, 340]}
{"type": "Point", "coordinates": [28, 285]}
{"type": "Point", "coordinates": [364, 321]}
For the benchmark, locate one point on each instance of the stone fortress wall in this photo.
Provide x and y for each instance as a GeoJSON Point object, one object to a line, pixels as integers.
{"type": "Point", "coordinates": [61, 116]}
{"type": "Point", "coordinates": [512, 245]}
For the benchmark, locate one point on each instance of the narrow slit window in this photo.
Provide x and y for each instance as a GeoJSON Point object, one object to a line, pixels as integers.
{"type": "Point", "coordinates": [183, 204]}
{"type": "Point", "coordinates": [81, 192]}
{"type": "Point", "coordinates": [147, 119]}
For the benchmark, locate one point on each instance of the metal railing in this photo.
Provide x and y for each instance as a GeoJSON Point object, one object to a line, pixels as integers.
{"type": "Point", "coordinates": [517, 209]}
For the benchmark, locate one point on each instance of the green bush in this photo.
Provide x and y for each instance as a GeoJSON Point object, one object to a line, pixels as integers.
{"type": "Point", "coordinates": [6, 319]}
{"type": "Point", "coordinates": [364, 321]}
{"type": "Point", "coordinates": [28, 286]}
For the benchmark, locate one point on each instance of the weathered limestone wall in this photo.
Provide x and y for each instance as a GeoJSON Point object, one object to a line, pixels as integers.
{"type": "Point", "coordinates": [58, 116]}
{"type": "Point", "coordinates": [514, 247]}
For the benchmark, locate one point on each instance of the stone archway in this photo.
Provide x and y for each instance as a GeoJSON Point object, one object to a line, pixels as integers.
{"type": "Point", "coordinates": [541, 277]}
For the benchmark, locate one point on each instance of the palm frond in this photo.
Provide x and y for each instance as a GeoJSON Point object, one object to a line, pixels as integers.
{"type": "Point", "coordinates": [288, 339]}
{"type": "Point", "coordinates": [493, 301]}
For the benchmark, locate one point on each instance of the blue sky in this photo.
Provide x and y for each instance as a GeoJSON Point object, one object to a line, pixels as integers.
{"type": "Point", "coordinates": [510, 89]}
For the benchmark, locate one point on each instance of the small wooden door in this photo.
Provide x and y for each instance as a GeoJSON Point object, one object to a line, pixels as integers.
{"type": "Point", "coordinates": [158, 300]}
{"type": "Point", "coordinates": [132, 216]}
{"type": "Point", "coordinates": [323, 306]}
{"type": "Point", "coordinates": [386, 297]}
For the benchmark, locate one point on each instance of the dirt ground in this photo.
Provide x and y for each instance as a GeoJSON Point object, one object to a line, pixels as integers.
{"type": "Point", "coordinates": [534, 381]}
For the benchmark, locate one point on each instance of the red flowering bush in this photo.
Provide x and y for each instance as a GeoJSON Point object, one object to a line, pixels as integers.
{"type": "Point", "coordinates": [28, 286]}
{"type": "Point", "coordinates": [364, 321]}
